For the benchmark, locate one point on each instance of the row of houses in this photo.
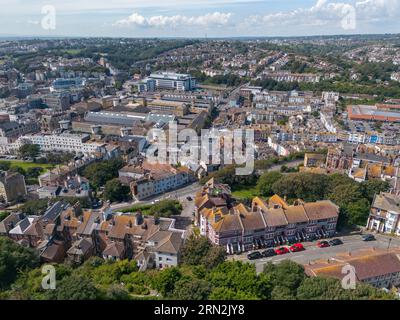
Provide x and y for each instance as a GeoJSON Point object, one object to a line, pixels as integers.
{"type": "Point", "coordinates": [68, 232]}
{"type": "Point", "coordinates": [266, 223]}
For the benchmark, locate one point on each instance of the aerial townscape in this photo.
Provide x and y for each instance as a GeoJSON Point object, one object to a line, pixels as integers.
{"type": "Point", "coordinates": [81, 193]}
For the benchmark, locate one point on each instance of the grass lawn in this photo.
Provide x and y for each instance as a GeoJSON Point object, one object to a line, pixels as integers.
{"type": "Point", "coordinates": [145, 209]}
{"type": "Point", "coordinates": [25, 165]}
{"type": "Point", "coordinates": [245, 192]}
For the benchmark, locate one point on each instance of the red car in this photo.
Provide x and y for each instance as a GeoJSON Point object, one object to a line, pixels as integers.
{"type": "Point", "coordinates": [323, 244]}
{"type": "Point", "coordinates": [282, 250]}
{"type": "Point", "coordinates": [297, 247]}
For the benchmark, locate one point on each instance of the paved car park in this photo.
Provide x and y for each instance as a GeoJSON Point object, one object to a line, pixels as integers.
{"type": "Point", "coordinates": [313, 252]}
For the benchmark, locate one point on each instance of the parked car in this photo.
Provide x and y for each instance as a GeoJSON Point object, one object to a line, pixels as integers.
{"type": "Point", "coordinates": [269, 253]}
{"type": "Point", "coordinates": [335, 242]}
{"type": "Point", "coordinates": [281, 250]}
{"type": "Point", "coordinates": [254, 255]}
{"type": "Point", "coordinates": [368, 237]}
{"type": "Point", "coordinates": [296, 247]}
{"type": "Point", "coordinates": [323, 244]}
{"type": "Point", "coordinates": [189, 198]}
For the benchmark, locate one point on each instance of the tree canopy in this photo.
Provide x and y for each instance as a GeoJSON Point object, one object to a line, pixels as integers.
{"type": "Point", "coordinates": [29, 151]}
{"type": "Point", "coordinates": [114, 190]}
{"type": "Point", "coordinates": [13, 259]}
{"type": "Point", "coordinates": [100, 172]}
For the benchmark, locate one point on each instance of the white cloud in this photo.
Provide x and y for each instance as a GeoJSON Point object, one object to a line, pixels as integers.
{"type": "Point", "coordinates": [373, 9]}
{"type": "Point", "coordinates": [325, 13]}
{"type": "Point", "coordinates": [207, 20]}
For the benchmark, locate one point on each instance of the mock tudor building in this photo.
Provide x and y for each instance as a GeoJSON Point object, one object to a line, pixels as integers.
{"type": "Point", "coordinates": [266, 223]}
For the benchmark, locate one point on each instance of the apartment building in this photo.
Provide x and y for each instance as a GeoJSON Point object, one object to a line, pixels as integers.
{"type": "Point", "coordinates": [66, 142]}
{"type": "Point", "coordinates": [10, 131]}
{"type": "Point", "coordinates": [174, 81]}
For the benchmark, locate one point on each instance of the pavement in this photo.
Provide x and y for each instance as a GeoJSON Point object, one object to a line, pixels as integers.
{"type": "Point", "coordinates": [312, 252]}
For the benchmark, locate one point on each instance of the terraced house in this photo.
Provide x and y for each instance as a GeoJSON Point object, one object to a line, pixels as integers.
{"type": "Point", "coordinates": [266, 223]}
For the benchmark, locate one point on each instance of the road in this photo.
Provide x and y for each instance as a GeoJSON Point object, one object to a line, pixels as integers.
{"type": "Point", "coordinates": [350, 243]}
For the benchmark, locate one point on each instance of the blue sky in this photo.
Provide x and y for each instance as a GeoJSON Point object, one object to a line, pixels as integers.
{"type": "Point", "coordinates": [196, 18]}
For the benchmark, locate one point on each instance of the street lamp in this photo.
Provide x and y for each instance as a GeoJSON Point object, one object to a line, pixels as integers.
{"type": "Point", "coordinates": [390, 240]}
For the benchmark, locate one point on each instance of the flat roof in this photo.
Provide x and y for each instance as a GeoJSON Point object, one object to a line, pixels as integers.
{"type": "Point", "coordinates": [367, 112]}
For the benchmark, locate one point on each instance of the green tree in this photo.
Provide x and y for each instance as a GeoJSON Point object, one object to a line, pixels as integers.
{"type": "Point", "coordinates": [214, 257]}
{"type": "Point", "coordinates": [164, 281]}
{"type": "Point", "coordinates": [358, 212]}
{"type": "Point", "coordinates": [343, 195]}
{"type": "Point", "coordinates": [114, 190]}
{"type": "Point", "coordinates": [306, 186]}
{"type": "Point", "coordinates": [371, 187]}
{"type": "Point", "coordinates": [35, 207]}
{"type": "Point", "coordinates": [320, 288]}
{"type": "Point", "coordinates": [240, 276]}
{"type": "Point", "coordinates": [13, 259]}
{"type": "Point", "coordinates": [266, 181]}
{"type": "Point", "coordinates": [223, 293]}
{"type": "Point", "coordinates": [192, 289]}
{"type": "Point", "coordinates": [29, 151]}
{"type": "Point", "coordinates": [117, 292]}
{"type": "Point", "coordinates": [100, 172]}
{"type": "Point", "coordinates": [3, 215]}
{"type": "Point", "coordinates": [28, 286]}
{"type": "Point", "coordinates": [287, 274]}
{"type": "Point", "coordinates": [194, 249]}
{"type": "Point", "coordinates": [324, 288]}
{"type": "Point", "coordinates": [282, 293]}
{"type": "Point", "coordinates": [75, 287]}
{"type": "Point", "coordinates": [5, 165]}
{"type": "Point", "coordinates": [197, 250]}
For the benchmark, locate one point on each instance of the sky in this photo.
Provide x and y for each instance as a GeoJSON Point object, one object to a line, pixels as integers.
{"type": "Point", "coordinates": [197, 18]}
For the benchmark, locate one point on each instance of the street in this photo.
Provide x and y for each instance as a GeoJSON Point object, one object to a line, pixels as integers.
{"type": "Point", "coordinates": [312, 252]}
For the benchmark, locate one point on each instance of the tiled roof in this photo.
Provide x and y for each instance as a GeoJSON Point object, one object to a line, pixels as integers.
{"type": "Point", "coordinates": [171, 243]}
{"type": "Point", "coordinates": [387, 202]}
{"type": "Point", "coordinates": [367, 264]}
